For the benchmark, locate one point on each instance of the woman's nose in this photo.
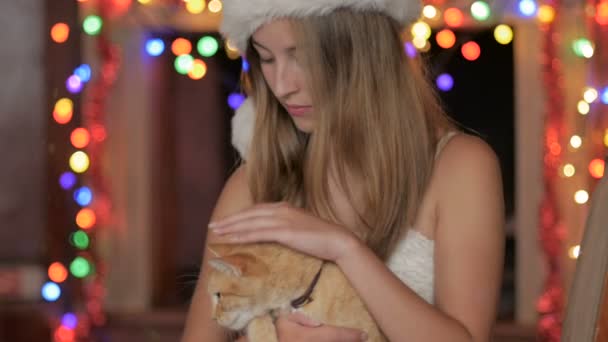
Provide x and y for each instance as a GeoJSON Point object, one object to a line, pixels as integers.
{"type": "Point", "coordinates": [285, 83]}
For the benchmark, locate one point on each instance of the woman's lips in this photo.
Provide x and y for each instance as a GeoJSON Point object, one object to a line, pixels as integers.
{"type": "Point", "coordinates": [299, 110]}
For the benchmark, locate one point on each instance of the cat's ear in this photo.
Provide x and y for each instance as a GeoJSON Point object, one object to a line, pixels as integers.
{"type": "Point", "coordinates": [239, 265]}
{"type": "Point", "coordinates": [223, 266]}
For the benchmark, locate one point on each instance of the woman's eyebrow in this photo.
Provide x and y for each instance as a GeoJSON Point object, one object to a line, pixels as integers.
{"type": "Point", "coordinates": [290, 49]}
{"type": "Point", "coordinates": [259, 45]}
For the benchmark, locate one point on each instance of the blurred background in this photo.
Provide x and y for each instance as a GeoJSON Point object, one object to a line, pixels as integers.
{"type": "Point", "coordinates": [115, 143]}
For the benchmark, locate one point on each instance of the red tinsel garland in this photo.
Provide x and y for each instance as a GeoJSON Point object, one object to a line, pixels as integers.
{"type": "Point", "coordinates": [550, 304]}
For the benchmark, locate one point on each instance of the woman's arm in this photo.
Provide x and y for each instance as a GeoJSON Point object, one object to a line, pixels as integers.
{"type": "Point", "coordinates": [469, 243]}
{"type": "Point", "coordinates": [199, 325]}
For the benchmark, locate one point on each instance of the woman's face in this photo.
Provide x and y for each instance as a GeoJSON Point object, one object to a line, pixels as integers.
{"type": "Point", "coordinates": [275, 44]}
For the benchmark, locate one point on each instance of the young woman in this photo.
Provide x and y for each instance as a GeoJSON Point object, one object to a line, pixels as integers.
{"type": "Point", "coordinates": [349, 136]}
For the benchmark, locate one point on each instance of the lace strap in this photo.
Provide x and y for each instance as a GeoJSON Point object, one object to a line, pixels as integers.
{"type": "Point", "coordinates": [443, 141]}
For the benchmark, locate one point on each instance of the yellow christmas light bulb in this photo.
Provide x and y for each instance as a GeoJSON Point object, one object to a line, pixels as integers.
{"type": "Point", "coordinates": [569, 170]}
{"type": "Point", "coordinates": [546, 14]}
{"type": "Point", "coordinates": [574, 252]}
{"type": "Point", "coordinates": [576, 141]}
{"type": "Point", "coordinates": [590, 94]}
{"type": "Point", "coordinates": [581, 197]}
{"type": "Point", "coordinates": [429, 11]}
{"type": "Point", "coordinates": [583, 107]}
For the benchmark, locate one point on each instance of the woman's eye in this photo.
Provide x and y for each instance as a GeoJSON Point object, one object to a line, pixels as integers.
{"type": "Point", "coordinates": [266, 60]}
{"type": "Point", "coordinates": [218, 295]}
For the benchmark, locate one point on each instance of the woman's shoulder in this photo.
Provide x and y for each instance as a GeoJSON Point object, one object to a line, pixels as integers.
{"type": "Point", "coordinates": [467, 167]}
{"type": "Point", "coordinates": [464, 152]}
{"type": "Point", "coordinates": [235, 195]}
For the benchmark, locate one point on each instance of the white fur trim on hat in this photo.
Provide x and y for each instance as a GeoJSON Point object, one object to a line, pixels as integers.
{"type": "Point", "coordinates": [241, 18]}
{"type": "Point", "coordinates": [242, 127]}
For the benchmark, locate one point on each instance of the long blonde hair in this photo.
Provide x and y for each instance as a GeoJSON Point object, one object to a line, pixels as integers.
{"type": "Point", "coordinates": [377, 122]}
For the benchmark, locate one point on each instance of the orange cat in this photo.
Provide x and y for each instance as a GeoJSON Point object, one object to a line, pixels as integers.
{"type": "Point", "coordinates": [250, 284]}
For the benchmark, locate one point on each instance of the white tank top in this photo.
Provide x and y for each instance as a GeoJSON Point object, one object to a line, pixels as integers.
{"type": "Point", "coordinates": [413, 258]}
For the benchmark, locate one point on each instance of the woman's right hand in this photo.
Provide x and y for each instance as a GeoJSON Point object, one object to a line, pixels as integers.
{"type": "Point", "coordinates": [296, 327]}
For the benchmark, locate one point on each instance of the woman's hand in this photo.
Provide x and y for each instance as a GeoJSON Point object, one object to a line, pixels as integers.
{"type": "Point", "coordinates": [296, 327]}
{"type": "Point", "coordinates": [290, 226]}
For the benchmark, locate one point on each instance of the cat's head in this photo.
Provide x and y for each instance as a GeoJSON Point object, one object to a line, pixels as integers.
{"type": "Point", "coordinates": [234, 282]}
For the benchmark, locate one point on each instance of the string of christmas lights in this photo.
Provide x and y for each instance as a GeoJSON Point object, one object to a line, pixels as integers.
{"type": "Point", "coordinates": [84, 314]}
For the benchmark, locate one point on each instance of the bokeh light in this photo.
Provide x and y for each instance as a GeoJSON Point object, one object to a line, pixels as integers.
{"type": "Point", "coordinates": [60, 33]}
{"type": "Point", "coordinates": [576, 141]}
{"type": "Point", "coordinates": [453, 17]}
{"type": "Point", "coordinates": [51, 292]}
{"type": "Point", "coordinates": [83, 72]}
{"type": "Point", "coordinates": [181, 46]}
{"type": "Point", "coordinates": [590, 95]}
{"type": "Point", "coordinates": [421, 29]}
{"type": "Point", "coordinates": [92, 25]}
{"type": "Point", "coordinates": [85, 219]}
{"type": "Point", "coordinates": [74, 84]}
{"type": "Point", "coordinates": [581, 197]}
{"type": "Point", "coordinates": [235, 100]}
{"type": "Point", "coordinates": [57, 272]}
{"type": "Point", "coordinates": [429, 11]}
{"type": "Point", "coordinates": [596, 168]}
{"type": "Point", "coordinates": [471, 51]}
{"type": "Point", "coordinates": [445, 82]}
{"type": "Point", "coordinates": [480, 10]}
{"type": "Point", "coordinates": [195, 7]}
{"type": "Point", "coordinates": [527, 7]}
{"type": "Point", "coordinates": [69, 320]}
{"type": "Point", "coordinates": [420, 43]}
{"type": "Point", "coordinates": [63, 112]}
{"type": "Point", "coordinates": [83, 196]}
{"type": "Point", "coordinates": [503, 34]}
{"type": "Point", "coordinates": [80, 137]}
{"type": "Point", "coordinates": [183, 64]}
{"type": "Point", "coordinates": [574, 252]}
{"type": "Point", "coordinates": [601, 13]}
{"type": "Point", "coordinates": [80, 267]}
{"type": "Point", "coordinates": [604, 96]}
{"type": "Point", "coordinates": [231, 51]}
{"type": "Point", "coordinates": [155, 47]}
{"type": "Point", "coordinates": [207, 46]}
{"type": "Point", "coordinates": [199, 70]}
{"type": "Point", "coordinates": [410, 50]}
{"type": "Point", "coordinates": [215, 6]}
{"type": "Point", "coordinates": [79, 162]}
{"type": "Point", "coordinates": [446, 38]}
{"type": "Point", "coordinates": [64, 334]}
{"type": "Point", "coordinates": [583, 48]}
{"type": "Point", "coordinates": [80, 240]}
{"type": "Point", "coordinates": [569, 170]}
{"type": "Point", "coordinates": [546, 14]}
{"type": "Point", "coordinates": [583, 107]}
{"type": "Point", "coordinates": [67, 180]}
